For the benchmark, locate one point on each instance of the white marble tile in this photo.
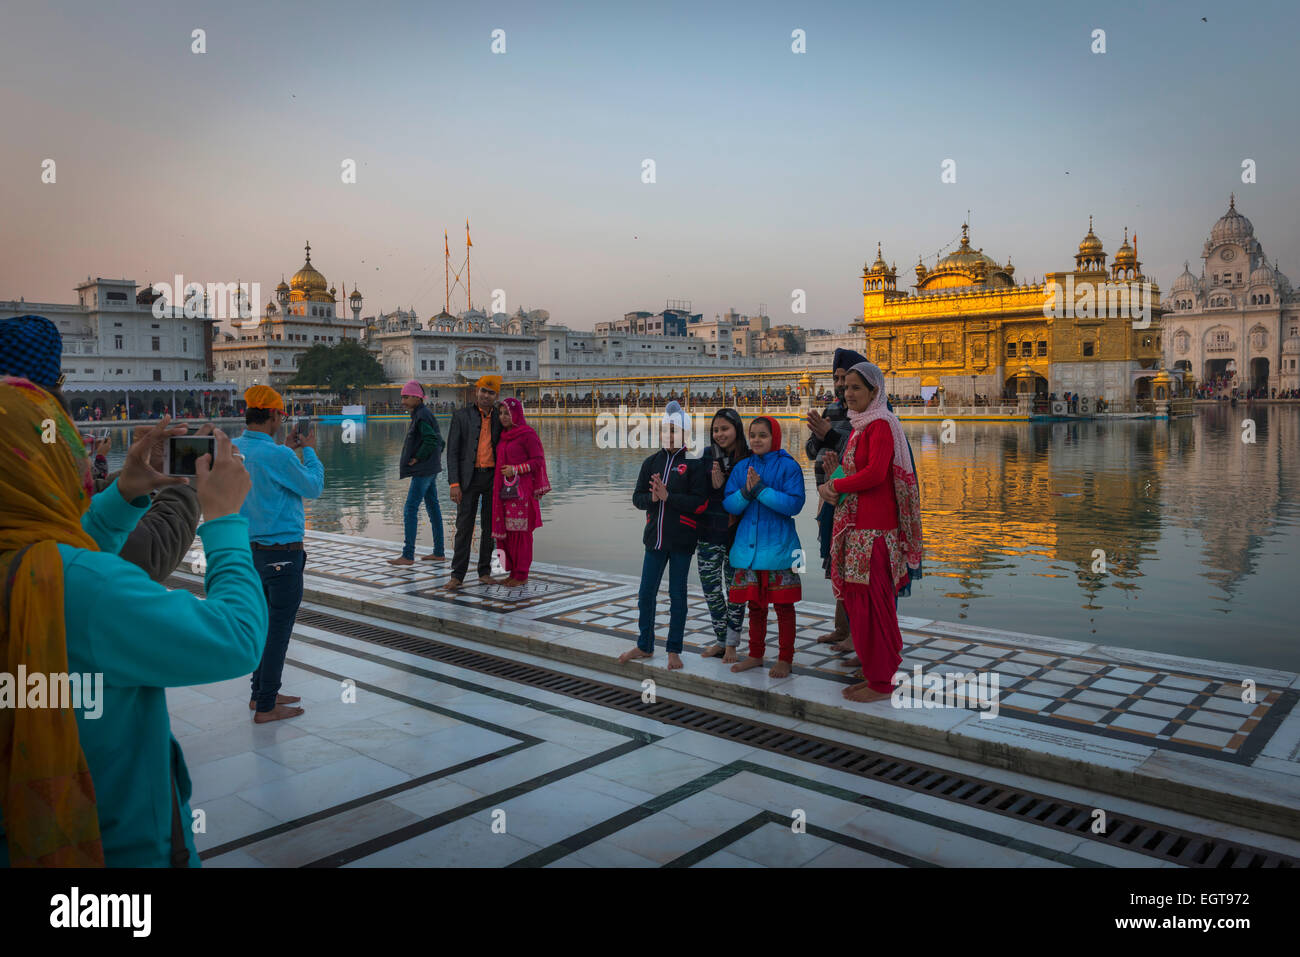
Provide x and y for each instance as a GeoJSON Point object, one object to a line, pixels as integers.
{"type": "Point", "coordinates": [839, 855]}
{"type": "Point", "coordinates": [442, 749]}
{"type": "Point", "coordinates": [214, 779]}
{"type": "Point", "coordinates": [469, 842]}
{"type": "Point", "coordinates": [323, 787]}
{"type": "Point", "coordinates": [229, 818]}
{"type": "Point", "coordinates": [654, 768]}
{"type": "Point", "coordinates": [517, 768]}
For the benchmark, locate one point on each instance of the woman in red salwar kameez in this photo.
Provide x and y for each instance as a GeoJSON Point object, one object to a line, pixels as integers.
{"type": "Point", "coordinates": [519, 482]}
{"type": "Point", "coordinates": [877, 530]}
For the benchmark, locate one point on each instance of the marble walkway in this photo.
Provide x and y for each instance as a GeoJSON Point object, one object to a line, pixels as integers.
{"type": "Point", "coordinates": [403, 761]}
{"type": "Point", "coordinates": [1159, 730]}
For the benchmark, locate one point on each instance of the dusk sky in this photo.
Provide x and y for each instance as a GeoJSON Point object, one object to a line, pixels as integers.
{"type": "Point", "coordinates": [775, 171]}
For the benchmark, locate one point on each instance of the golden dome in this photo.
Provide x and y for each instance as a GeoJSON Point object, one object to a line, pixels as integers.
{"type": "Point", "coordinates": [879, 265]}
{"type": "Point", "coordinates": [1091, 245]}
{"type": "Point", "coordinates": [308, 284]}
{"type": "Point", "coordinates": [1125, 255]}
{"type": "Point", "coordinates": [356, 293]}
{"type": "Point", "coordinates": [967, 259]}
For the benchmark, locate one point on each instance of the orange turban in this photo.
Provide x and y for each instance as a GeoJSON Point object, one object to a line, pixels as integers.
{"type": "Point", "coordinates": [263, 397]}
{"type": "Point", "coordinates": [492, 382]}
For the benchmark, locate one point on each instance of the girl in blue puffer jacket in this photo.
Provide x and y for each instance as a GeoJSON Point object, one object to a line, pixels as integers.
{"type": "Point", "coordinates": [766, 490]}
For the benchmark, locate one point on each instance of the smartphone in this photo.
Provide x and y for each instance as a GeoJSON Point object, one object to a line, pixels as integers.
{"type": "Point", "coordinates": [182, 452]}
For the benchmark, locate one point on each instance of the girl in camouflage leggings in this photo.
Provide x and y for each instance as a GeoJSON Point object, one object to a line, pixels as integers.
{"type": "Point", "coordinates": [717, 528]}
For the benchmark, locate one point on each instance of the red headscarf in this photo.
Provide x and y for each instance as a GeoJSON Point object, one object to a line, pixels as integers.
{"type": "Point", "coordinates": [772, 427]}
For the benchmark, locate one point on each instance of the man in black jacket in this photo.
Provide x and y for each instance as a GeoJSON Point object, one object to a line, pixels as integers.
{"type": "Point", "coordinates": [829, 432]}
{"type": "Point", "coordinates": [471, 464]}
{"type": "Point", "coordinates": [421, 462]}
{"type": "Point", "coordinates": [673, 491]}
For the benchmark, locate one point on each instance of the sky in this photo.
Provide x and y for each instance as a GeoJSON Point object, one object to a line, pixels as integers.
{"type": "Point", "coordinates": [774, 171]}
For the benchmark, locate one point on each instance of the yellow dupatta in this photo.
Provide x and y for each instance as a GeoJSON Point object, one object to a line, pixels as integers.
{"type": "Point", "coordinates": [50, 819]}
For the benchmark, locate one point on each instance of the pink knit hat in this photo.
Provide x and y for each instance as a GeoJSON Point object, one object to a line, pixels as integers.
{"type": "Point", "coordinates": [413, 388]}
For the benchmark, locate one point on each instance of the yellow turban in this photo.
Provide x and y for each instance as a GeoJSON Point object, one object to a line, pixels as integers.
{"type": "Point", "coordinates": [492, 382]}
{"type": "Point", "coordinates": [263, 397]}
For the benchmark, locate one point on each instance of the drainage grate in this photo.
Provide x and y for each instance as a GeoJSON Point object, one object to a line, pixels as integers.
{"type": "Point", "coordinates": [1134, 834]}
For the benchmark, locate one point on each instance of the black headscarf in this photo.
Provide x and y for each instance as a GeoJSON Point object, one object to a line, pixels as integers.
{"type": "Point", "coordinates": [846, 359]}
{"type": "Point", "coordinates": [742, 447]}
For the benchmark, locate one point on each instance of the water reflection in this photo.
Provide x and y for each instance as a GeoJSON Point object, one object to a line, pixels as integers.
{"type": "Point", "coordinates": [1173, 536]}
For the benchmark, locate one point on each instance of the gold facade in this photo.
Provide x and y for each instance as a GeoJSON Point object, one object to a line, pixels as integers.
{"type": "Point", "coordinates": [968, 316]}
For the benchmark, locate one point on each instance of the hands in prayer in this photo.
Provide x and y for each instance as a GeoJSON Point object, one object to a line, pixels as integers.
{"type": "Point", "coordinates": [658, 490]}
{"type": "Point", "coordinates": [751, 480]}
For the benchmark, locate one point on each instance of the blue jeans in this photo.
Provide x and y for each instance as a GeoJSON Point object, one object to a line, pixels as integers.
{"type": "Point", "coordinates": [424, 488]}
{"type": "Point", "coordinates": [652, 573]}
{"type": "Point", "coordinates": [281, 573]}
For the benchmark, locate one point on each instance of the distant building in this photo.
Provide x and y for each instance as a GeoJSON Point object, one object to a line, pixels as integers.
{"type": "Point", "coordinates": [458, 349]}
{"type": "Point", "coordinates": [114, 345]}
{"type": "Point", "coordinates": [1237, 324]}
{"type": "Point", "coordinates": [267, 350]}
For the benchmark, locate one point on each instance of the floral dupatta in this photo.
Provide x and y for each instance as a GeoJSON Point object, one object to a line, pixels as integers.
{"type": "Point", "coordinates": [904, 543]}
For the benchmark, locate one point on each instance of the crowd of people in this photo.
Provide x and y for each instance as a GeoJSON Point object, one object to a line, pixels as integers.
{"type": "Point", "coordinates": [114, 790]}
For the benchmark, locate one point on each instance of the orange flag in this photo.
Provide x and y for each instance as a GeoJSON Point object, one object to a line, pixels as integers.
{"type": "Point", "coordinates": [467, 240]}
{"type": "Point", "coordinates": [446, 248]}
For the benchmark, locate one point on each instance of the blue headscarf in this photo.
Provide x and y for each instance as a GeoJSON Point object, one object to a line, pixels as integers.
{"type": "Point", "coordinates": [31, 347]}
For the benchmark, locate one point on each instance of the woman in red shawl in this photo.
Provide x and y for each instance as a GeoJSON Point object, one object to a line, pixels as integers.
{"type": "Point", "coordinates": [519, 482]}
{"type": "Point", "coordinates": [877, 533]}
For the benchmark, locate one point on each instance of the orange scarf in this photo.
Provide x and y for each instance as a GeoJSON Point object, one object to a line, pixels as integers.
{"type": "Point", "coordinates": [50, 819]}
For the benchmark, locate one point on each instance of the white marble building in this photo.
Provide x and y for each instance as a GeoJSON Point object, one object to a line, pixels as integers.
{"type": "Point", "coordinates": [1238, 321]}
{"type": "Point", "coordinates": [111, 336]}
{"type": "Point", "coordinates": [267, 350]}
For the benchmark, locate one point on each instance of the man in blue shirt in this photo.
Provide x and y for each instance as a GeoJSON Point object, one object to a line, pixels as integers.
{"type": "Point", "coordinates": [276, 524]}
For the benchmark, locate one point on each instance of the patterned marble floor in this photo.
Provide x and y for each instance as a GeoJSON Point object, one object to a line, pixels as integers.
{"type": "Point", "coordinates": [432, 765]}
{"type": "Point", "coordinates": [1122, 710]}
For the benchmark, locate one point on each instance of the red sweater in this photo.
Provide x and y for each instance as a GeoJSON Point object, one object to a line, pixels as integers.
{"type": "Point", "coordinates": [873, 480]}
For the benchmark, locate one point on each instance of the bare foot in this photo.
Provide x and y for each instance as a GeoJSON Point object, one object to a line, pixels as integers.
{"type": "Point", "coordinates": [486, 580]}
{"type": "Point", "coordinates": [850, 662]}
{"type": "Point", "coordinates": [278, 713]}
{"type": "Point", "coordinates": [634, 654]}
{"type": "Point", "coordinates": [730, 654]}
{"type": "Point", "coordinates": [674, 661]}
{"type": "Point", "coordinates": [512, 582]}
{"type": "Point", "coordinates": [861, 692]}
{"type": "Point", "coordinates": [401, 561]}
{"type": "Point", "coordinates": [780, 670]}
{"type": "Point", "coordinates": [713, 650]}
{"type": "Point", "coordinates": [845, 645]}
{"type": "Point", "coordinates": [452, 584]}
{"type": "Point", "coordinates": [434, 558]}
{"type": "Point", "coordinates": [746, 664]}
{"type": "Point", "coordinates": [829, 637]}
{"type": "Point", "coordinates": [279, 699]}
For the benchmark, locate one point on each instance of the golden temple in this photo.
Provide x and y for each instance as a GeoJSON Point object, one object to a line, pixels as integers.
{"type": "Point", "coordinates": [968, 327]}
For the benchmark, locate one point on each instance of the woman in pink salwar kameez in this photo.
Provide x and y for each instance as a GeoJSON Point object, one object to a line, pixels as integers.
{"type": "Point", "coordinates": [519, 482]}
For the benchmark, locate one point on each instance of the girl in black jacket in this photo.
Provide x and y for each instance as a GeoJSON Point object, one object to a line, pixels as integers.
{"type": "Point", "coordinates": [717, 530]}
{"type": "Point", "coordinates": [673, 492]}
